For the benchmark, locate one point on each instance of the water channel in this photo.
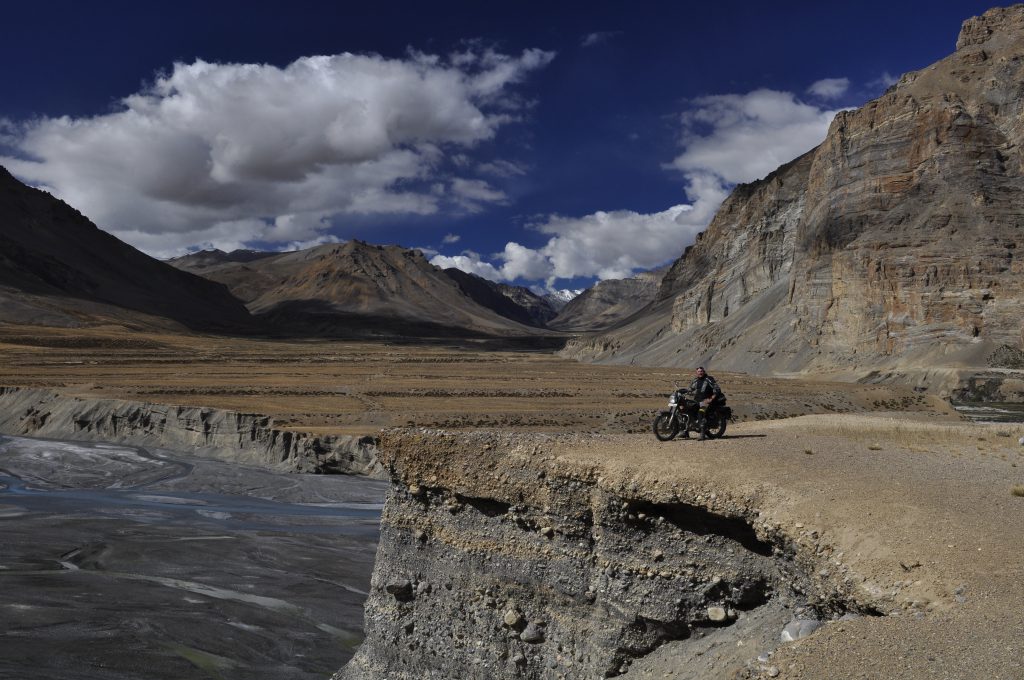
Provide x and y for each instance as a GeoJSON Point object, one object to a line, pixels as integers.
{"type": "Point", "coordinates": [124, 563]}
{"type": "Point", "coordinates": [991, 412]}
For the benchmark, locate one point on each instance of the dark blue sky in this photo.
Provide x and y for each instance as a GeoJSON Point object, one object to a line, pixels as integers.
{"type": "Point", "coordinates": [605, 117]}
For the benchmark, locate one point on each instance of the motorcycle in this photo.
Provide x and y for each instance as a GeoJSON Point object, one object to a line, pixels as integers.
{"type": "Point", "coordinates": [685, 415]}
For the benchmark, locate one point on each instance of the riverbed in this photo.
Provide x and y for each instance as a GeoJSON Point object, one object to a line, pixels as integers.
{"type": "Point", "coordinates": [991, 412]}
{"type": "Point", "coordinates": [120, 562]}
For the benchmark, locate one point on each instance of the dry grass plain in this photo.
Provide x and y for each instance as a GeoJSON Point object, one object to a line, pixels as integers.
{"type": "Point", "coordinates": [359, 387]}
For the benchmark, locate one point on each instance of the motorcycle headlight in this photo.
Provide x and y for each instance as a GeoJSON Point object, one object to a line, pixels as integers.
{"type": "Point", "coordinates": [672, 401]}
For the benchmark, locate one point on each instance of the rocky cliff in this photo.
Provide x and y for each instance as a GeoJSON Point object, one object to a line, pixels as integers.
{"type": "Point", "coordinates": [585, 556]}
{"type": "Point", "coordinates": [893, 248]}
{"type": "Point", "coordinates": [243, 437]}
{"type": "Point", "coordinates": [499, 560]}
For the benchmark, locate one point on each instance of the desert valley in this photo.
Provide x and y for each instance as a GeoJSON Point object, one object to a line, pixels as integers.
{"type": "Point", "coordinates": [346, 460]}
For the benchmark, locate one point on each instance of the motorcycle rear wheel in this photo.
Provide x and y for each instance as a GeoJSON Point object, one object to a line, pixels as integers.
{"type": "Point", "coordinates": [665, 427]}
{"type": "Point", "coordinates": [716, 426]}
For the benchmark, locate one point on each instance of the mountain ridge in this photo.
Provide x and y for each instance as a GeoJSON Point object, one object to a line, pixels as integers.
{"type": "Point", "coordinates": [353, 288]}
{"type": "Point", "coordinates": [609, 302]}
{"type": "Point", "coordinates": [58, 267]}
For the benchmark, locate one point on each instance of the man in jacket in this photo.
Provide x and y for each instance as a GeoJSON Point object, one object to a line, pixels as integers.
{"type": "Point", "coordinates": [705, 390]}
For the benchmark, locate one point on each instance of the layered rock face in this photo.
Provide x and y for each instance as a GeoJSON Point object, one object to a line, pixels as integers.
{"type": "Point", "coordinates": [496, 562]}
{"type": "Point", "coordinates": [893, 246]}
{"type": "Point", "coordinates": [243, 437]}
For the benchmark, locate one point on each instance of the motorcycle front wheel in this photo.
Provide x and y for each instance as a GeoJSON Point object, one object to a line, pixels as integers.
{"type": "Point", "coordinates": [665, 427]}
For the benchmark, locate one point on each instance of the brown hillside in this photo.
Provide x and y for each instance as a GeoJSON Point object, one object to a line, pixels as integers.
{"type": "Point", "coordinates": [58, 268]}
{"type": "Point", "coordinates": [356, 288]}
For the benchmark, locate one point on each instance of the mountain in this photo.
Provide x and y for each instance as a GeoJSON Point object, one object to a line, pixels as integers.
{"type": "Point", "coordinates": [204, 259]}
{"type": "Point", "coordinates": [512, 302]}
{"type": "Point", "coordinates": [608, 302]}
{"type": "Point", "coordinates": [893, 250]}
{"type": "Point", "coordinates": [58, 268]}
{"type": "Point", "coordinates": [540, 307]}
{"type": "Point", "coordinates": [356, 289]}
{"type": "Point", "coordinates": [231, 269]}
{"type": "Point", "coordinates": [558, 299]}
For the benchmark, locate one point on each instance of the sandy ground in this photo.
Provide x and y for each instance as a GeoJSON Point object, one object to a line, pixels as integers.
{"type": "Point", "coordinates": [922, 516]}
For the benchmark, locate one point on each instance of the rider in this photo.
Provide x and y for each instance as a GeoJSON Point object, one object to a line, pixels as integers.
{"type": "Point", "coordinates": [707, 392]}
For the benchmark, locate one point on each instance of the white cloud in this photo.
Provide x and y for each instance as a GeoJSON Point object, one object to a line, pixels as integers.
{"type": "Point", "coordinates": [311, 243]}
{"type": "Point", "coordinates": [525, 263]}
{"type": "Point", "coordinates": [227, 153]}
{"type": "Point", "coordinates": [472, 194]}
{"type": "Point", "coordinates": [727, 139]}
{"type": "Point", "coordinates": [8, 132]}
{"type": "Point", "coordinates": [451, 238]}
{"type": "Point", "coordinates": [743, 137]}
{"type": "Point", "coordinates": [501, 168]}
{"type": "Point", "coordinates": [467, 262]}
{"type": "Point", "coordinates": [603, 244]}
{"type": "Point", "coordinates": [598, 37]}
{"type": "Point", "coordinates": [883, 82]}
{"type": "Point", "coordinates": [612, 245]}
{"type": "Point", "coordinates": [829, 88]}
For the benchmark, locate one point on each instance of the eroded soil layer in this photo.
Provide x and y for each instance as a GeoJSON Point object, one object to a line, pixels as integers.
{"type": "Point", "coordinates": [242, 437]}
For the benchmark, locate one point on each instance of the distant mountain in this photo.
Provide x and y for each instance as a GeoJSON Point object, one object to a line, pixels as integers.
{"type": "Point", "coordinates": [513, 302]}
{"type": "Point", "coordinates": [892, 251]}
{"type": "Point", "coordinates": [560, 298]}
{"type": "Point", "coordinates": [609, 302]}
{"type": "Point", "coordinates": [539, 307]}
{"type": "Point", "coordinates": [204, 259]}
{"type": "Point", "coordinates": [231, 269]}
{"type": "Point", "coordinates": [356, 289]}
{"type": "Point", "coordinates": [58, 268]}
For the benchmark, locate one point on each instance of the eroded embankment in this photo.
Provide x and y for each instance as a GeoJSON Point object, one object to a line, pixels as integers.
{"type": "Point", "coordinates": [498, 560]}
{"type": "Point", "coordinates": [243, 437]}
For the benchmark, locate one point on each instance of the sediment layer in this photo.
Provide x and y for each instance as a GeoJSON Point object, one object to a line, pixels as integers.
{"type": "Point", "coordinates": [217, 433]}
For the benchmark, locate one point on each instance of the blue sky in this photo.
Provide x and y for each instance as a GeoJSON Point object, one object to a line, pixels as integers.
{"type": "Point", "coordinates": [547, 143]}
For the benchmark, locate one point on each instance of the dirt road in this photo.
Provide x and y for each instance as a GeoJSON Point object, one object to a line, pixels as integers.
{"type": "Point", "coordinates": [922, 518]}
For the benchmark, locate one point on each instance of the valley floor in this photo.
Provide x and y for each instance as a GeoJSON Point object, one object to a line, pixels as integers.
{"type": "Point", "coordinates": [325, 387]}
{"type": "Point", "coordinates": [890, 487]}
